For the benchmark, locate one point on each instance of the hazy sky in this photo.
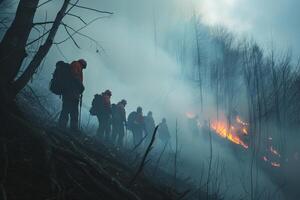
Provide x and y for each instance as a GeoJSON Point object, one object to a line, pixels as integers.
{"type": "Point", "coordinates": [128, 37]}
{"type": "Point", "coordinates": [266, 20]}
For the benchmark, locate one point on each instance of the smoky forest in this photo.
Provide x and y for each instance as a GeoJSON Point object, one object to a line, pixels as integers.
{"type": "Point", "coordinates": [149, 100]}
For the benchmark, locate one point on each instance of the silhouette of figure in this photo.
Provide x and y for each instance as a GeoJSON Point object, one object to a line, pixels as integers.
{"type": "Point", "coordinates": [150, 126]}
{"type": "Point", "coordinates": [163, 131]}
{"type": "Point", "coordinates": [118, 122]}
{"type": "Point", "coordinates": [71, 95]}
{"type": "Point", "coordinates": [103, 112]}
{"type": "Point", "coordinates": [137, 125]}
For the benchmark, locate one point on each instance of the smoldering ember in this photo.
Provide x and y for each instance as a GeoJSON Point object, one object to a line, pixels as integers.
{"type": "Point", "coordinates": [149, 100]}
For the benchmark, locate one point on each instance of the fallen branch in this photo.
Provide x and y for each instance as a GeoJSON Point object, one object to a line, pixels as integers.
{"type": "Point", "coordinates": [144, 162]}
{"type": "Point", "coordinates": [160, 156]}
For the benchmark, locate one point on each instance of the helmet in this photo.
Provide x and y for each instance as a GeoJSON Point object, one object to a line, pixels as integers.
{"type": "Point", "coordinates": [123, 101]}
{"type": "Point", "coordinates": [139, 109]}
{"type": "Point", "coordinates": [83, 62]}
{"type": "Point", "coordinates": [108, 92]}
{"type": "Point", "coordinates": [60, 63]}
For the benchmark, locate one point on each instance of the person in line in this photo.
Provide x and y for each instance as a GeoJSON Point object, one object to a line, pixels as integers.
{"type": "Point", "coordinates": [71, 95]}
{"type": "Point", "coordinates": [163, 132]}
{"type": "Point", "coordinates": [136, 124]}
{"type": "Point", "coordinates": [150, 126]}
{"type": "Point", "coordinates": [101, 108]}
{"type": "Point", "coordinates": [118, 122]}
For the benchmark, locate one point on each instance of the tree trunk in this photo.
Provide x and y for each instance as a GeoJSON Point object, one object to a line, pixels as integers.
{"type": "Point", "coordinates": [20, 83]}
{"type": "Point", "coordinates": [12, 46]}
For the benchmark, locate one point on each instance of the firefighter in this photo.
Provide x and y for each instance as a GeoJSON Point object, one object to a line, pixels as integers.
{"type": "Point", "coordinates": [118, 122]}
{"type": "Point", "coordinates": [137, 125]}
{"type": "Point", "coordinates": [103, 108]}
{"type": "Point", "coordinates": [71, 95]}
{"type": "Point", "coordinates": [163, 131]}
{"type": "Point", "coordinates": [150, 126]}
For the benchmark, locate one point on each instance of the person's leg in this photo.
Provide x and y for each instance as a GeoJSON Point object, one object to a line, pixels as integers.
{"type": "Point", "coordinates": [114, 133]}
{"type": "Point", "coordinates": [139, 136]}
{"type": "Point", "coordinates": [134, 137]}
{"type": "Point", "coordinates": [100, 130]}
{"type": "Point", "coordinates": [64, 114]}
{"type": "Point", "coordinates": [121, 135]}
{"type": "Point", "coordinates": [74, 114]}
{"type": "Point", "coordinates": [107, 130]}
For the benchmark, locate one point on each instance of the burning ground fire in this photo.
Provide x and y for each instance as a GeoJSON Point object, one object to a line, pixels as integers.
{"type": "Point", "coordinates": [232, 133]}
{"type": "Point", "coordinates": [236, 133]}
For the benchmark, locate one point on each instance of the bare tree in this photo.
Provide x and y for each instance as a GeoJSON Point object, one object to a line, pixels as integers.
{"type": "Point", "coordinates": [15, 43]}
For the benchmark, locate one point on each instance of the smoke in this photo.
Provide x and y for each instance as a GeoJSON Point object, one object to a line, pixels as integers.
{"type": "Point", "coordinates": [140, 62]}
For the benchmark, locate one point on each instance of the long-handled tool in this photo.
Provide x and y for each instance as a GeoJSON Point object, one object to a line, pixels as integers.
{"type": "Point", "coordinates": [80, 107]}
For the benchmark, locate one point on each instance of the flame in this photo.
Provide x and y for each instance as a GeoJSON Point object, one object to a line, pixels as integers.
{"type": "Point", "coordinates": [235, 131]}
{"type": "Point", "coordinates": [221, 129]}
{"type": "Point", "coordinates": [245, 131]}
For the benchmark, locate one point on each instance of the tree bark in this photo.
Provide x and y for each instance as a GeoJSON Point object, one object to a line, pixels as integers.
{"type": "Point", "coordinates": [41, 53]}
{"type": "Point", "coordinates": [13, 44]}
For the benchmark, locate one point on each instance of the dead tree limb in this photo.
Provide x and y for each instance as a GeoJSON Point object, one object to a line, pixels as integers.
{"type": "Point", "coordinates": [92, 9]}
{"type": "Point", "coordinates": [40, 5]}
{"type": "Point", "coordinates": [159, 158]}
{"type": "Point", "coordinates": [74, 41]}
{"type": "Point", "coordinates": [78, 30]}
{"type": "Point", "coordinates": [78, 17]}
{"type": "Point", "coordinates": [42, 52]}
{"type": "Point", "coordinates": [143, 163]}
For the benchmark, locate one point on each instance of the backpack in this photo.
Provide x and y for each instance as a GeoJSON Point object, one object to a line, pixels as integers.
{"type": "Point", "coordinates": [130, 120]}
{"type": "Point", "coordinates": [114, 109]}
{"type": "Point", "coordinates": [61, 76]}
{"type": "Point", "coordinates": [96, 104]}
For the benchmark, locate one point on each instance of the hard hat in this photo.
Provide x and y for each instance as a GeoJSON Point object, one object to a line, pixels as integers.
{"type": "Point", "coordinates": [139, 109]}
{"type": "Point", "coordinates": [108, 92]}
{"type": "Point", "coordinates": [124, 102]}
{"type": "Point", "coordinates": [83, 62]}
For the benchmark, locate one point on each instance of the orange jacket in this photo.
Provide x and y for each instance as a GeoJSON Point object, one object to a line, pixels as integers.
{"type": "Point", "coordinates": [76, 70]}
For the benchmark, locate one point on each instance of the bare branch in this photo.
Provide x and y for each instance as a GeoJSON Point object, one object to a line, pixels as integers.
{"type": "Point", "coordinates": [144, 162]}
{"type": "Point", "coordinates": [73, 5]}
{"type": "Point", "coordinates": [37, 39]}
{"type": "Point", "coordinates": [66, 28]}
{"type": "Point", "coordinates": [84, 35]}
{"type": "Point", "coordinates": [92, 9]}
{"type": "Point", "coordinates": [44, 3]}
{"type": "Point", "coordinates": [42, 51]}
{"type": "Point", "coordinates": [73, 15]}
{"type": "Point", "coordinates": [42, 23]}
{"type": "Point", "coordinates": [77, 31]}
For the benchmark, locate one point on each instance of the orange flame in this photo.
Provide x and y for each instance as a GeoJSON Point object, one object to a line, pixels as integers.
{"type": "Point", "coordinates": [221, 129]}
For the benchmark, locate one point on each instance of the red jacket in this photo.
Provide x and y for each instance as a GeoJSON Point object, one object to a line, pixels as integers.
{"type": "Point", "coordinates": [76, 70]}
